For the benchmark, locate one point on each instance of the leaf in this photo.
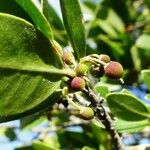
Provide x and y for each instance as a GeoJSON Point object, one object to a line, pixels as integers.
{"type": "Point", "coordinates": [130, 126]}
{"type": "Point", "coordinates": [52, 141]}
{"type": "Point", "coordinates": [116, 47]}
{"type": "Point", "coordinates": [73, 21]}
{"type": "Point", "coordinates": [136, 57]}
{"type": "Point", "coordinates": [37, 17]}
{"type": "Point", "coordinates": [22, 47]}
{"type": "Point", "coordinates": [25, 60]}
{"type": "Point", "coordinates": [46, 144]}
{"type": "Point", "coordinates": [127, 107]}
{"type": "Point", "coordinates": [25, 148]}
{"type": "Point", "coordinates": [10, 134]}
{"type": "Point", "coordinates": [143, 41]}
{"type": "Point", "coordinates": [101, 90]}
{"type": "Point", "coordinates": [11, 7]}
{"type": "Point", "coordinates": [107, 19]}
{"type": "Point", "coordinates": [29, 122]}
{"type": "Point", "coordinates": [146, 77]}
{"type": "Point", "coordinates": [88, 148]}
{"type": "Point", "coordinates": [38, 145]}
{"type": "Point", "coordinates": [51, 15]}
{"type": "Point", "coordinates": [147, 97]}
{"type": "Point", "coordinates": [2, 131]}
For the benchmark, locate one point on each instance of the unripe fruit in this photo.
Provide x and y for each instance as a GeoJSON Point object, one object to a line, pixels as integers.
{"type": "Point", "coordinates": [113, 70]}
{"type": "Point", "coordinates": [105, 58]}
{"type": "Point", "coordinates": [87, 113]}
{"type": "Point", "coordinates": [67, 57]}
{"type": "Point", "coordinates": [81, 69]}
{"type": "Point", "coordinates": [78, 83]}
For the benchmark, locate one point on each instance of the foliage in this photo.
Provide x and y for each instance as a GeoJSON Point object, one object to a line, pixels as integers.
{"type": "Point", "coordinates": [36, 82]}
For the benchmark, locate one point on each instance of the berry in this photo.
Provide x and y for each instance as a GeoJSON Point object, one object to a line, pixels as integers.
{"type": "Point", "coordinates": [78, 83]}
{"type": "Point", "coordinates": [67, 57]}
{"type": "Point", "coordinates": [87, 113]}
{"type": "Point", "coordinates": [105, 58]}
{"type": "Point", "coordinates": [113, 70]}
{"type": "Point", "coordinates": [81, 69]}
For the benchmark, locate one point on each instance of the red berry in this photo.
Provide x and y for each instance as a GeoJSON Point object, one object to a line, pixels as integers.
{"type": "Point", "coordinates": [67, 57]}
{"type": "Point", "coordinates": [81, 69]}
{"type": "Point", "coordinates": [105, 58]}
{"type": "Point", "coordinates": [78, 83]}
{"type": "Point", "coordinates": [113, 70]}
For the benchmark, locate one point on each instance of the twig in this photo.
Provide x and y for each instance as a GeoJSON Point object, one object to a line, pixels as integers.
{"type": "Point", "coordinates": [106, 120]}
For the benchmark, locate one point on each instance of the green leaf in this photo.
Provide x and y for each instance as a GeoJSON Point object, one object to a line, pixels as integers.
{"type": "Point", "coordinates": [29, 122]}
{"type": "Point", "coordinates": [53, 142]}
{"type": "Point", "coordinates": [130, 126]}
{"type": "Point", "coordinates": [88, 148]}
{"type": "Point", "coordinates": [10, 134]}
{"type": "Point", "coordinates": [37, 17]}
{"type": "Point", "coordinates": [73, 22]}
{"type": "Point", "coordinates": [11, 7]}
{"type": "Point", "coordinates": [2, 131]}
{"type": "Point", "coordinates": [136, 57]}
{"type": "Point", "coordinates": [51, 15]}
{"type": "Point", "coordinates": [147, 97]}
{"type": "Point", "coordinates": [116, 47]}
{"type": "Point", "coordinates": [38, 145]}
{"type": "Point", "coordinates": [22, 47]}
{"type": "Point", "coordinates": [46, 144]}
{"type": "Point", "coordinates": [146, 77]}
{"type": "Point", "coordinates": [127, 107]}
{"type": "Point", "coordinates": [25, 148]}
{"type": "Point", "coordinates": [107, 19]}
{"type": "Point", "coordinates": [25, 54]}
{"type": "Point", "coordinates": [143, 41]}
{"type": "Point", "coordinates": [101, 90]}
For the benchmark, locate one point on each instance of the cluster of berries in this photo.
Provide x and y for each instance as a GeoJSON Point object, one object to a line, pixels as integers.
{"type": "Point", "coordinates": [101, 63]}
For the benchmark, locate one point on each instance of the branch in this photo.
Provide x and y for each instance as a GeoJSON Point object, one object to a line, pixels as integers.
{"type": "Point", "coordinates": [106, 120]}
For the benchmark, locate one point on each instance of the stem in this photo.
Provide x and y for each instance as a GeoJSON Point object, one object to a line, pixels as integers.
{"type": "Point", "coordinates": [73, 104]}
{"type": "Point", "coordinates": [104, 117]}
{"type": "Point", "coordinates": [106, 120]}
{"type": "Point", "coordinates": [93, 60]}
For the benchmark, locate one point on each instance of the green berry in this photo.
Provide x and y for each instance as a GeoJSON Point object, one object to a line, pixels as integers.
{"type": "Point", "coordinates": [78, 83]}
{"type": "Point", "coordinates": [86, 113]}
{"type": "Point", "coordinates": [81, 69]}
{"type": "Point", "coordinates": [105, 58]}
{"type": "Point", "coordinates": [113, 70]}
{"type": "Point", "coordinates": [67, 57]}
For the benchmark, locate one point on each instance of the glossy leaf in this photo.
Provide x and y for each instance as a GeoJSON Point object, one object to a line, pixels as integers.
{"type": "Point", "coordinates": [115, 46]}
{"type": "Point", "coordinates": [143, 41]}
{"type": "Point", "coordinates": [42, 146]}
{"type": "Point", "coordinates": [101, 90]}
{"type": "Point", "coordinates": [147, 97]}
{"type": "Point", "coordinates": [88, 148]}
{"type": "Point", "coordinates": [51, 15]}
{"type": "Point", "coordinates": [73, 22]}
{"type": "Point", "coordinates": [136, 57]}
{"type": "Point", "coordinates": [131, 126]}
{"type": "Point", "coordinates": [10, 134]}
{"type": "Point", "coordinates": [127, 107]}
{"type": "Point", "coordinates": [11, 7]}
{"type": "Point", "coordinates": [25, 54]}
{"type": "Point", "coordinates": [31, 121]}
{"type": "Point", "coordinates": [107, 19]}
{"type": "Point", "coordinates": [146, 77]}
{"type": "Point", "coordinates": [37, 17]}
